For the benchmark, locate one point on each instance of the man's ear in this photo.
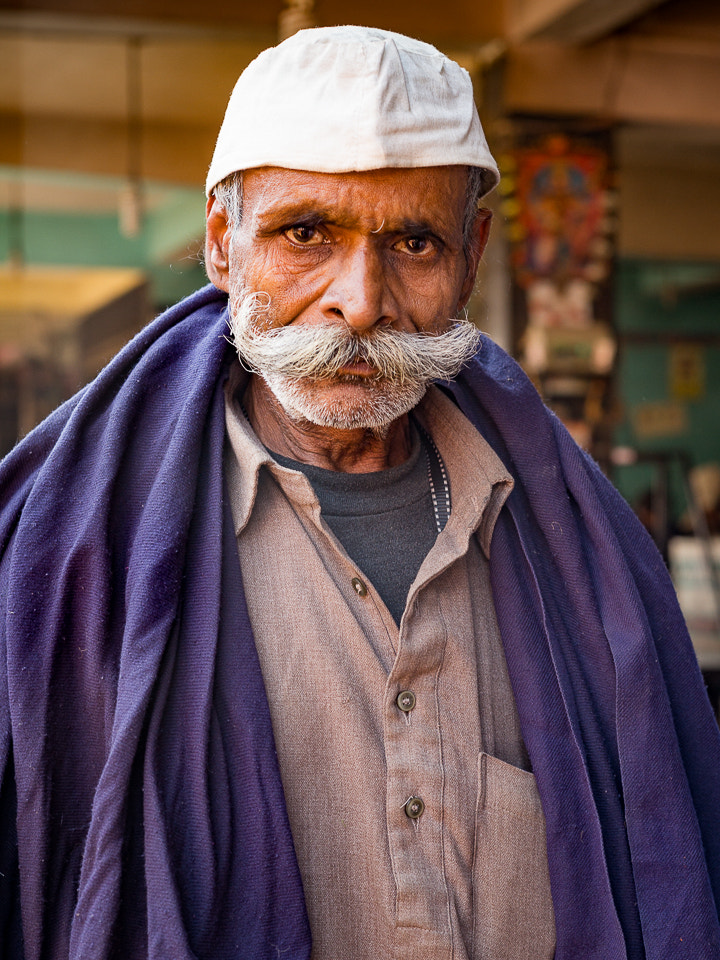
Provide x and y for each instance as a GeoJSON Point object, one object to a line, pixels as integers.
{"type": "Point", "coordinates": [217, 245]}
{"type": "Point", "coordinates": [480, 232]}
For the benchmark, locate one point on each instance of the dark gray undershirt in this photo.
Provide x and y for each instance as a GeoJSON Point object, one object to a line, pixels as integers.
{"type": "Point", "coordinates": [384, 520]}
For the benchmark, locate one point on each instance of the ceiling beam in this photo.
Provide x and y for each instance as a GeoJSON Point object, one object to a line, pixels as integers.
{"type": "Point", "coordinates": [641, 80]}
{"type": "Point", "coordinates": [42, 25]}
{"type": "Point", "coordinates": [460, 24]}
{"type": "Point", "coordinates": [170, 153]}
{"type": "Point", "coordinates": [570, 21]}
{"type": "Point", "coordinates": [242, 14]}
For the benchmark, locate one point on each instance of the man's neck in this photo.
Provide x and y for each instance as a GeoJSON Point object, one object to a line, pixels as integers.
{"type": "Point", "coordinates": [349, 451]}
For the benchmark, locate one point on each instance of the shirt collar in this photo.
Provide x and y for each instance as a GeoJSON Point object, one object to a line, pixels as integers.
{"type": "Point", "coordinates": [244, 454]}
{"type": "Point", "coordinates": [479, 482]}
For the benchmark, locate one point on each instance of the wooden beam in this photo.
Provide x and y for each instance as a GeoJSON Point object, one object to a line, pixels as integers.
{"type": "Point", "coordinates": [635, 79]}
{"type": "Point", "coordinates": [570, 21]}
{"type": "Point", "coordinates": [243, 14]}
{"type": "Point", "coordinates": [458, 23]}
{"type": "Point", "coordinates": [171, 153]}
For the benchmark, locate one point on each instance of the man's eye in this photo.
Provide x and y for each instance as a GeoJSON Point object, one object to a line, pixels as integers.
{"type": "Point", "coordinates": [304, 235]}
{"type": "Point", "coordinates": [416, 245]}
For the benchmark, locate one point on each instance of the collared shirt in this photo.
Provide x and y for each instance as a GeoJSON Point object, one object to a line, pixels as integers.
{"type": "Point", "coordinates": [467, 877]}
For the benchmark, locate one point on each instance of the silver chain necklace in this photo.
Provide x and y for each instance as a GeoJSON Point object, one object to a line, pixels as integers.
{"type": "Point", "coordinates": [438, 478]}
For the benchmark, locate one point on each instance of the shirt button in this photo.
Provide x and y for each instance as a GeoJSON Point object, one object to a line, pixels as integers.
{"type": "Point", "coordinates": [406, 701]}
{"type": "Point", "coordinates": [414, 808]}
{"type": "Point", "coordinates": [359, 587]}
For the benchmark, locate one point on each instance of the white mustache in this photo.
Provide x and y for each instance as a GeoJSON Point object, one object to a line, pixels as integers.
{"type": "Point", "coordinates": [322, 352]}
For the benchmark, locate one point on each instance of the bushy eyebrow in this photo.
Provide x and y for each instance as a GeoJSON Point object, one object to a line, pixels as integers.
{"type": "Point", "coordinates": [308, 214]}
{"type": "Point", "coordinates": [286, 214]}
{"type": "Point", "coordinates": [416, 228]}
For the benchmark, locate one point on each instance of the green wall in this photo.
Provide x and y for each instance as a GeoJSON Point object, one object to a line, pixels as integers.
{"type": "Point", "coordinates": [661, 307]}
{"type": "Point", "coordinates": [166, 247]}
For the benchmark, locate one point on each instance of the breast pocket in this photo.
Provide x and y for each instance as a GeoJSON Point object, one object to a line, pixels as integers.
{"type": "Point", "coordinates": [512, 907]}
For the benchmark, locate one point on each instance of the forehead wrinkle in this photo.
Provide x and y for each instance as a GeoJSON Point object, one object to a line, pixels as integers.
{"type": "Point", "coordinates": [387, 205]}
{"type": "Point", "coordinates": [315, 211]}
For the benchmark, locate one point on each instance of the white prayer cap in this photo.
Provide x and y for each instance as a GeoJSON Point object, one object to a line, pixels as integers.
{"type": "Point", "coordinates": [340, 99]}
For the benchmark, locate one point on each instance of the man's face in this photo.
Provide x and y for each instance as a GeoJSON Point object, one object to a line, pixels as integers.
{"type": "Point", "coordinates": [360, 252]}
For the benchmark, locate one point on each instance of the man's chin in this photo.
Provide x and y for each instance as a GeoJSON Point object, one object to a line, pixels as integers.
{"type": "Point", "coordinates": [347, 403]}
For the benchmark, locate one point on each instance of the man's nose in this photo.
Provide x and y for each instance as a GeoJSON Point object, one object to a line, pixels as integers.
{"type": "Point", "coordinates": [359, 291]}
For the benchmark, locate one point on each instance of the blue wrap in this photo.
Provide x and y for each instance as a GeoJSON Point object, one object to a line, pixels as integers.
{"type": "Point", "coordinates": [141, 802]}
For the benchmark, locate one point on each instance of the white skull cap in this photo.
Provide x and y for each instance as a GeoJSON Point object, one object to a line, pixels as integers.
{"type": "Point", "coordinates": [341, 99]}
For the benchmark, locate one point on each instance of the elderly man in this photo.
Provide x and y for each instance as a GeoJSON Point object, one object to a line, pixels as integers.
{"type": "Point", "coordinates": [444, 705]}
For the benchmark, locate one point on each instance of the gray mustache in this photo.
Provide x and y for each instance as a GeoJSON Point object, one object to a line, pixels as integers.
{"type": "Point", "coordinates": [321, 352]}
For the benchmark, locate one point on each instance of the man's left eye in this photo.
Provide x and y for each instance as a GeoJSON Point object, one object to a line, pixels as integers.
{"type": "Point", "coordinates": [416, 245]}
{"type": "Point", "coordinates": [304, 235]}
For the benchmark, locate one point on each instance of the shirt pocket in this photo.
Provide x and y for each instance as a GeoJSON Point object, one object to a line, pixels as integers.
{"type": "Point", "coordinates": [512, 906]}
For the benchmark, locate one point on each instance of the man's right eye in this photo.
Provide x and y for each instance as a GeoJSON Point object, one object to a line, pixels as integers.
{"type": "Point", "coordinates": [304, 235]}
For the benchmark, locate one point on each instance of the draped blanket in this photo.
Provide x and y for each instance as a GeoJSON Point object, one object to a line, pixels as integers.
{"type": "Point", "coordinates": [141, 804]}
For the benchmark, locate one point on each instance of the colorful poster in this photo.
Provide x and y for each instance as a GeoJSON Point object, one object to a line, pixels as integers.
{"type": "Point", "coordinates": [561, 225]}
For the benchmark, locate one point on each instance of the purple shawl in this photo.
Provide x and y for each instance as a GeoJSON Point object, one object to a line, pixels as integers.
{"type": "Point", "coordinates": [141, 803]}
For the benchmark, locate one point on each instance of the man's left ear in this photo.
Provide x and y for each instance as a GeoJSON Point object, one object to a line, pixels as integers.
{"type": "Point", "coordinates": [480, 231]}
{"type": "Point", "coordinates": [217, 245]}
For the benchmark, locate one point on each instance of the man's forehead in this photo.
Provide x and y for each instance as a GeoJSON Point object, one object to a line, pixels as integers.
{"type": "Point", "coordinates": [389, 198]}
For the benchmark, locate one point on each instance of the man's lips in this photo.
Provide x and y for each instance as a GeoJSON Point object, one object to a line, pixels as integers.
{"type": "Point", "coordinates": [357, 368]}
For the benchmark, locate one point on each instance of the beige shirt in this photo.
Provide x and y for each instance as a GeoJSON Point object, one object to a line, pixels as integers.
{"type": "Point", "coordinates": [468, 877]}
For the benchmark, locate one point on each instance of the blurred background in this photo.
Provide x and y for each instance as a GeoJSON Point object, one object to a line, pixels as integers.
{"type": "Point", "coordinates": [602, 276]}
